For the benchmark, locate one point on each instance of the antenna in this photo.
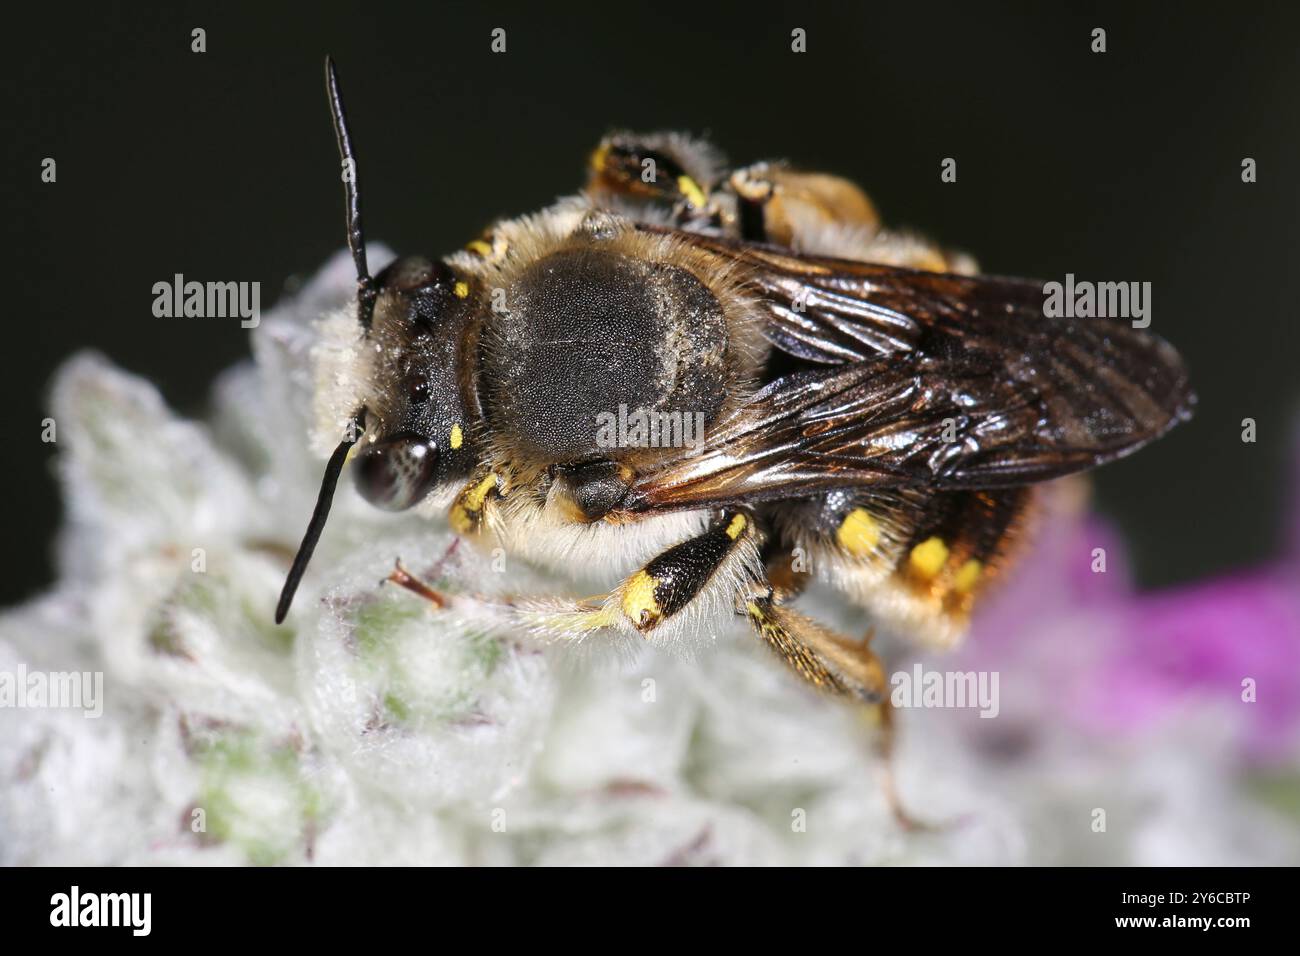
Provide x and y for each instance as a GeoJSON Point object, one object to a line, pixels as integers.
{"type": "Point", "coordinates": [365, 311]}
{"type": "Point", "coordinates": [318, 516]}
{"type": "Point", "coordinates": [366, 291]}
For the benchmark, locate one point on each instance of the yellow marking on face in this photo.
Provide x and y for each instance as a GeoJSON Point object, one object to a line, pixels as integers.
{"type": "Point", "coordinates": [928, 557]}
{"type": "Point", "coordinates": [481, 247]}
{"type": "Point", "coordinates": [694, 195]}
{"type": "Point", "coordinates": [736, 527]}
{"type": "Point", "coordinates": [457, 437]}
{"type": "Point", "coordinates": [967, 576]}
{"type": "Point", "coordinates": [639, 602]}
{"type": "Point", "coordinates": [859, 533]}
{"type": "Point", "coordinates": [461, 289]}
{"type": "Point", "coordinates": [598, 157]}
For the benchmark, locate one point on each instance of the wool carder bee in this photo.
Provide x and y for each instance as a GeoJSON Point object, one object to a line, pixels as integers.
{"type": "Point", "coordinates": [840, 402]}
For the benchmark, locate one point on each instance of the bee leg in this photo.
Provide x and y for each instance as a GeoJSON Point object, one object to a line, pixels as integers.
{"type": "Point", "coordinates": [775, 203]}
{"type": "Point", "coordinates": [466, 515]}
{"type": "Point", "coordinates": [670, 582]}
{"type": "Point", "coordinates": [658, 169]}
{"type": "Point", "coordinates": [403, 578]}
{"type": "Point", "coordinates": [840, 665]}
{"type": "Point", "coordinates": [886, 742]}
{"type": "Point", "coordinates": [668, 585]}
{"type": "Point", "coordinates": [819, 655]}
{"type": "Point", "coordinates": [786, 570]}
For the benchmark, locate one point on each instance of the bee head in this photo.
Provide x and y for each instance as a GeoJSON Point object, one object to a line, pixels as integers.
{"type": "Point", "coordinates": [418, 433]}
{"type": "Point", "coordinates": [413, 424]}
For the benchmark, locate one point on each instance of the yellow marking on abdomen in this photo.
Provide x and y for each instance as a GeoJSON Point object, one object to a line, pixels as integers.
{"type": "Point", "coordinates": [967, 576]}
{"type": "Point", "coordinates": [928, 557]}
{"type": "Point", "coordinates": [858, 533]}
{"type": "Point", "coordinates": [639, 602]}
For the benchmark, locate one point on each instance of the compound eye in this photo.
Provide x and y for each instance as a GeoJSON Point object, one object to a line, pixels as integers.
{"type": "Point", "coordinates": [396, 473]}
{"type": "Point", "coordinates": [414, 274]}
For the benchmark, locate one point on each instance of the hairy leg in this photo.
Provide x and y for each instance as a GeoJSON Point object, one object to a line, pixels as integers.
{"type": "Point", "coordinates": [711, 566]}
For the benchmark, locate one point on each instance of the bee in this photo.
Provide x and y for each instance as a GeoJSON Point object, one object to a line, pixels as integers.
{"type": "Point", "coordinates": [840, 402]}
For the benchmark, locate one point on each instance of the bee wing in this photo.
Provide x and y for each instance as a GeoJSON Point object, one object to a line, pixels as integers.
{"type": "Point", "coordinates": [940, 381]}
{"type": "Point", "coordinates": [832, 311]}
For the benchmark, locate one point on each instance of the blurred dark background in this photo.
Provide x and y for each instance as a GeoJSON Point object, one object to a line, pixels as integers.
{"type": "Point", "coordinates": [221, 166]}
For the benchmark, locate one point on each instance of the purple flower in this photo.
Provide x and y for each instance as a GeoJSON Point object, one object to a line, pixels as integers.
{"type": "Point", "coordinates": [1226, 641]}
{"type": "Point", "coordinates": [1080, 647]}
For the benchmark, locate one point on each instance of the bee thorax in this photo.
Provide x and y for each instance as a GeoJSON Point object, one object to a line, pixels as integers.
{"type": "Point", "coordinates": [592, 337]}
